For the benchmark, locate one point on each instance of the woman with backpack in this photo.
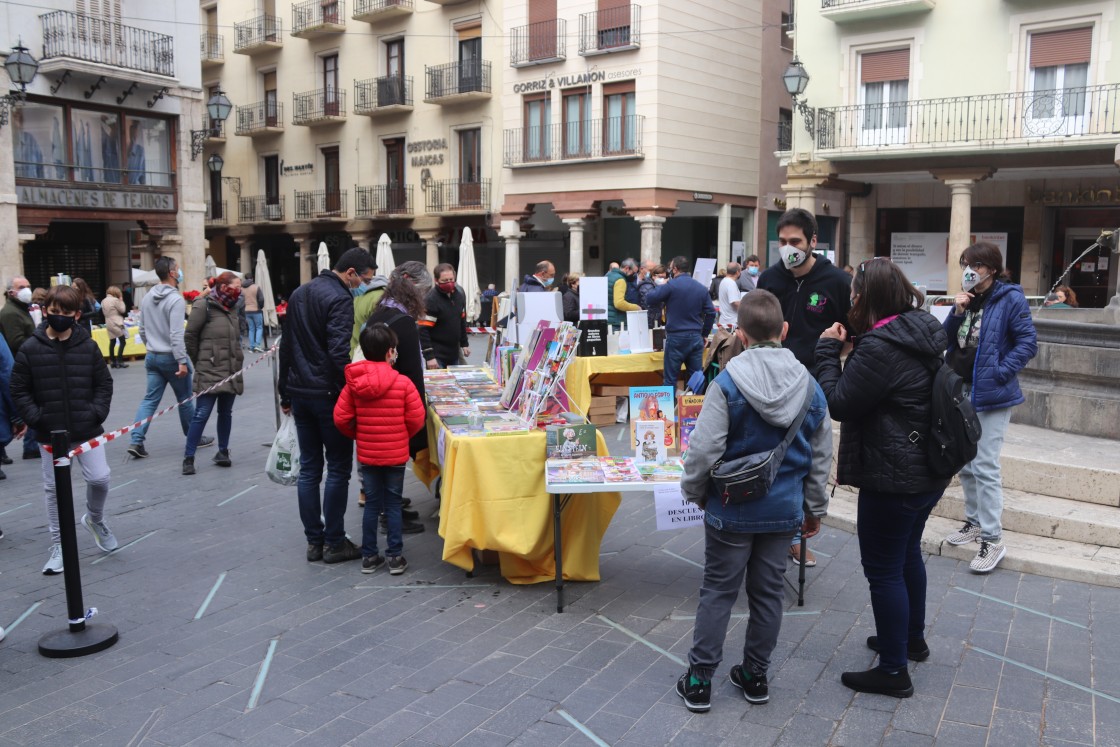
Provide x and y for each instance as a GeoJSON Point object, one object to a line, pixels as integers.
{"type": "Point", "coordinates": [887, 384]}
{"type": "Point", "coordinates": [991, 339]}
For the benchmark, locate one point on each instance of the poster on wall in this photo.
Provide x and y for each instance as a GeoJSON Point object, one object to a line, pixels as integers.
{"type": "Point", "coordinates": [924, 257]}
{"type": "Point", "coordinates": [705, 270]}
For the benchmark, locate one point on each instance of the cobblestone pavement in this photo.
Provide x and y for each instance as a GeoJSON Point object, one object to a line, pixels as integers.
{"type": "Point", "coordinates": [435, 658]}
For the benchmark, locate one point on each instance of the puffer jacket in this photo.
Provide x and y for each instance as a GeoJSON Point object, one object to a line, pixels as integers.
{"type": "Point", "coordinates": [315, 347]}
{"type": "Point", "coordinates": [62, 385]}
{"type": "Point", "coordinates": [1008, 341]}
{"type": "Point", "coordinates": [380, 409]}
{"type": "Point", "coordinates": [887, 381]}
{"type": "Point", "coordinates": [214, 347]}
{"type": "Point", "coordinates": [114, 311]}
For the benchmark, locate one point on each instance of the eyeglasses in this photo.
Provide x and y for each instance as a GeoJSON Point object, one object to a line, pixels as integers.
{"type": "Point", "coordinates": [975, 266]}
{"type": "Point", "coordinates": [864, 263]}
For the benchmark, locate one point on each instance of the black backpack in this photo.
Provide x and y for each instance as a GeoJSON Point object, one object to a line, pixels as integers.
{"type": "Point", "coordinates": [954, 428]}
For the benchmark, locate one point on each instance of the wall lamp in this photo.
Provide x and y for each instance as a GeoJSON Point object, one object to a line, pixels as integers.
{"type": "Point", "coordinates": [21, 67]}
{"type": "Point", "coordinates": [217, 109]}
{"type": "Point", "coordinates": [796, 80]}
{"type": "Point", "coordinates": [215, 164]}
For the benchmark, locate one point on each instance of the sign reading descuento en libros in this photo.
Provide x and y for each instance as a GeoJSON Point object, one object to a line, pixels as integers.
{"type": "Point", "coordinates": [94, 199]}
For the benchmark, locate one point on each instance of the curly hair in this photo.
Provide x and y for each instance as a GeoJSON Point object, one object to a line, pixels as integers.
{"type": "Point", "coordinates": [407, 287]}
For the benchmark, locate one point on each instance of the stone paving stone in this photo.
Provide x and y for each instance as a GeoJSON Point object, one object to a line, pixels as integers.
{"type": "Point", "coordinates": [953, 734]}
{"type": "Point", "coordinates": [804, 729]}
{"type": "Point", "coordinates": [609, 726]}
{"type": "Point", "coordinates": [970, 705]}
{"type": "Point", "coordinates": [906, 739]}
{"type": "Point", "coordinates": [1072, 722]}
{"type": "Point", "coordinates": [919, 714]}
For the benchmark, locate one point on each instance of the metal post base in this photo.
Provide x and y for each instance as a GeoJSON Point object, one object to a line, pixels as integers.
{"type": "Point", "coordinates": [64, 644]}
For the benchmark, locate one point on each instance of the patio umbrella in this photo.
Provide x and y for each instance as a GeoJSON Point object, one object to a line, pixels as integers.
{"type": "Point", "coordinates": [265, 282]}
{"type": "Point", "coordinates": [211, 267]}
{"type": "Point", "coordinates": [323, 257]}
{"type": "Point", "coordinates": [384, 256]}
{"type": "Point", "coordinates": [468, 275]}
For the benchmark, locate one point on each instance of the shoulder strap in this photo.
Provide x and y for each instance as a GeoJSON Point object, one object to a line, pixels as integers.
{"type": "Point", "coordinates": [795, 426]}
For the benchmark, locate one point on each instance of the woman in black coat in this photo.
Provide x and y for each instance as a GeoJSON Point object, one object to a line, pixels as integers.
{"type": "Point", "coordinates": [885, 385]}
{"type": "Point", "coordinates": [569, 296]}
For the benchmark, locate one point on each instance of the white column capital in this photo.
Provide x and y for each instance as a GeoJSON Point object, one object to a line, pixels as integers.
{"type": "Point", "coordinates": [575, 224]}
{"type": "Point", "coordinates": [651, 221]}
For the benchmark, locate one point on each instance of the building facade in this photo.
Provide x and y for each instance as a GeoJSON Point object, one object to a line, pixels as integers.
{"type": "Point", "coordinates": [96, 169]}
{"type": "Point", "coordinates": [933, 123]}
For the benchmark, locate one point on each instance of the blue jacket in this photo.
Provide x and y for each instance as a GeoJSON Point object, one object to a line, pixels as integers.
{"type": "Point", "coordinates": [688, 307]}
{"type": "Point", "coordinates": [315, 346]}
{"type": "Point", "coordinates": [1007, 343]}
{"type": "Point", "coordinates": [7, 409]}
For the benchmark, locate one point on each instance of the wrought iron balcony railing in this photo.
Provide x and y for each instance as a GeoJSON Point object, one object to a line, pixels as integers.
{"type": "Point", "coordinates": [216, 213]}
{"type": "Point", "coordinates": [610, 30]}
{"type": "Point", "coordinates": [215, 128]}
{"type": "Point", "coordinates": [1001, 118]}
{"type": "Point", "coordinates": [321, 204]}
{"type": "Point", "coordinates": [382, 200]}
{"type": "Point", "coordinates": [457, 195]}
{"type": "Point", "coordinates": [457, 79]}
{"type": "Point", "coordinates": [261, 117]}
{"type": "Point", "coordinates": [545, 41]}
{"type": "Point", "coordinates": [368, 10]}
{"type": "Point", "coordinates": [785, 136]}
{"type": "Point", "coordinates": [261, 32]}
{"type": "Point", "coordinates": [318, 16]}
{"type": "Point", "coordinates": [261, 209]}
{"type": "Point", "coordinates": [375, 94]}
{"type": "Point", "coordinates": [212, 48]}
{"type": "Point", "coordinates": [322, 105]}
{"type": "Point", "coordinates": [81, 37]}
{"type": "Point", "coordinates": [589, 139]}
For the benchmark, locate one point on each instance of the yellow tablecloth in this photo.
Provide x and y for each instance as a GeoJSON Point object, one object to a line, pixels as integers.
{"type": "Point", "coordinates": [493, 498]}
{"type": "Point", "coordinates": [636, 369]}
{"type": "Point", "coordinates": [133, 346]}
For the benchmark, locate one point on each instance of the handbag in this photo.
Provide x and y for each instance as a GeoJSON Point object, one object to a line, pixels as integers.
{"type": "Point", "coordinates": [749, 478]}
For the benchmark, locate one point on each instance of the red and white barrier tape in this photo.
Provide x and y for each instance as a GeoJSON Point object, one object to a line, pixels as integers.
{"type": "Point", "coordinates": [482, 330]}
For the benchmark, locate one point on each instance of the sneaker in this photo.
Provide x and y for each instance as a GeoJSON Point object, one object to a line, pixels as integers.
{"type": "Point", "coordinates": [753, 686]}
{"type": "Point", "coordinates": [54, 562]}
{"type": "Point", "coordinates": [371, 564]}
{"type": "Point", "coordinates": [122, 365]}
{"type": "Point", "coordinates": [968, 533]}
{"type": "Point", "coordinates": [697, 695]}
{"type": "Point", "coordinates": [205, 441]}
{"type": "Point", "coordinates": [138, 451]}
{"type": "Point", "coordinates": [5, 459]}
{"type": "Point", "coordinates": [878, 682]}
{"type": "Point", "coordinates": [222, 458]}
{"type": "Point", "coordinates": [342, 552]}
{"type": "Point", "coordinates": [988, 557]}
{"type": "Point", "coordinates": [101, 532]}
{"type": "Point", "coordinates": [397, 565]}
{"type": "Point", "coordinates": [915, 650]}
{"type": "Point", "coordinates": [188, 465]}
{"type": "Point", "coordinates": [314, 553]}
{"type": "Point", "coordinates": [795, 553]}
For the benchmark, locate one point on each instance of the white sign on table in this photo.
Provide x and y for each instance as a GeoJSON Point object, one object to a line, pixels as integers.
{"type": "Point", "coordinates": [637, 325]}
{"type": "Point", "coordinates": [705, 270]}
{"type": "Point", "coordinates": [673, 511]}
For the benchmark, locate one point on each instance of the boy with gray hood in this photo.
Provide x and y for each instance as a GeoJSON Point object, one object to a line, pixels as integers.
{"type": "Point", "coordinates": [761, 392]}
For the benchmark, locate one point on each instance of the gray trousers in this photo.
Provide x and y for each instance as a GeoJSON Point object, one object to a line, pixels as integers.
{"type": "Point", "coordinates": [95, 471]}
{"type": "Point", "coordinates": [728, 556]}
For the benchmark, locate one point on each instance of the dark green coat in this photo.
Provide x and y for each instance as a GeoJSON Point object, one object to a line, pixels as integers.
{"type": "Point", "coordinates": [214, 346]}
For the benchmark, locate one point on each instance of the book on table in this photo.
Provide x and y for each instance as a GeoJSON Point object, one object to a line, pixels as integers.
{"type": "Point", "coordinates": [655, 403]}
{"type": "Point", "coordinates": [573, 471]}
{"type": "Point", "coordinates": [569, 441]}
{"type": "Point", "coordinates": [649, 441]}
{"type": "Point", "coordinates": [688, 410]}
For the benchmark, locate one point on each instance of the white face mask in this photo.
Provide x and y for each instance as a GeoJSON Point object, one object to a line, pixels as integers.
{"type": "Point", "coordinates": [660, 281]}
{"type": "Point", "coordinates": [970, 278]}
{"type": "Point", "coordinates": [792, 256]}
{"type": "Point", "coordinates": [24, 295]}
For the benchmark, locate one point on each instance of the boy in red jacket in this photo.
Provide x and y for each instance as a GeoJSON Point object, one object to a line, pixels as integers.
{"type": "Point", "coordinates": [381, 410]}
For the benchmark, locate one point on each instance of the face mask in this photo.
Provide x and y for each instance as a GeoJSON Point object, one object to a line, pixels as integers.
{"type": "Point", "coordinates": [24, 295]}
{"type": "Point", "coordinates": [60, 322]}
{"type": "Point", "coordinates": [546, 282]}
{"type": "Point", "coordinates": [362, 289]}
{"type": "Point", "coordinates": [970, 278]}
{"type": "Point", "coordinates": [752, 271]}
{"type": "Point", "coordinates": [393, 359]}
{"type": "Point", "coordinates": [792, 256]}
{"type": "Point", "coordinates": [660, 281]}
{"type": "Point", "coordinates": [447, 287]}
{"type": "Point", "coordinates": [179, 276]}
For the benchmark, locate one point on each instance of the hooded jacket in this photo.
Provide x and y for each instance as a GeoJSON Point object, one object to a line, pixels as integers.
{"type": "Point", "coordinates": [364, 306]}
{"type": "Point", "coordinates": [381, 410]}
{"type": "Point", "coordinates": [810, 304]}
{"type": "Point", "coordinates": [214, 344]}
{"type": "Point", "coordinates": [531, 284]}
{"type": "Point", "coordinates": [887, 381]}
{"type": "Point", "coordinates": [8, 415]}
{"type": "Point", "coordinates": [161, 321]}
{"type": "Point", "coordinates": [315, 346]}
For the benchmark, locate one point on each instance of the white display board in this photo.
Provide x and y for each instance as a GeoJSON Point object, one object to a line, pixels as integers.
{"type": "Point", "coordinates": [705, 270]}
{"type": "Point", "coordinates": [533, 307]}
{"type": "Point", "coordinates": [673, 511]}
{"type": "Point", "coordinates": [924, 257]}
{"type": "Point", "coordinates": [739, 252]}
{"type": "Point", "coordinates": [637, 325]}
{"type": "Point", "coordinates": [592, 298]}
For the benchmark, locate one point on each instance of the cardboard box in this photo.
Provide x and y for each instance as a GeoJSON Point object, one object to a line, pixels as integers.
{"type": "Point", "coordinates": [604, 419]}
{"type": "Point", "coordinates": [600, 405]}
{"type": "Point", "coordinates": [610, 390]}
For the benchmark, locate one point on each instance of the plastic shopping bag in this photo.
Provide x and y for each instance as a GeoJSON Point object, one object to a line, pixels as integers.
{"type": "Point", "coordinates": [283, 458]}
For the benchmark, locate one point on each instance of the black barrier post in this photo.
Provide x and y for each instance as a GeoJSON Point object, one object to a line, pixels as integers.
{"type": "Point", "coordinates": [81, 638]}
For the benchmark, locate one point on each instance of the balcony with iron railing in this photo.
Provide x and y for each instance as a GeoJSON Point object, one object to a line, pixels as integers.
{"type": "Point", "coordinates": [315, 18]}
{"type": "Point", "coordinates": [260, 209]}
{"type": "Point", "coordinates": [385, 95]}
{"type": "Point", "coordinates": [320, 107]}
{"type": "Point", "coordinates": [212, 50]}
{"type": "Point", "coordinates": [321, 204]}
{"type": "Point", "coordinates": [457, 82]}
{"type": "Point", "coordinates": [587, 141]}
{"type": "Point", "coordinates": [383, 200]}
{"type": "Point", "coordinates": [259, 34]}
{"type": "Point", "coordinates": [457, 197]}
{"type": "Point", "coordinates": [846, 11]}
{"type": "Point", "coordinates": [538, 43]}
{"type": "Point", "coordinates": [1067, 118]}
{"type": "Point", "coordinates": [375, 11]}
{"type": "Point", "coordinates": [215, 130]}
{"type": "Point", "coordinates": [610, 30]}
{"type": "Point", "coordinates": [216, 213]}
{"type": "Point", "coordinates": [785, 136]}
{"type": "Point", "coordinates": [72, 39]}
{"type": "Point", "coordinates": [262, 118]}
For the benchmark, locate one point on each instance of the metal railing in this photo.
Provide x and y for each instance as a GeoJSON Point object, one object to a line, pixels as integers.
{"type": "Point", "coordinates": [999, 118]}
{"type": "Point", "coordinates": [366, 7]}
{"type": "Point", "coordinates": [785, 136]}
{"type": "Point", "coordinates": [383, 199]}
{"type": "Point", "coordinates": [81, 37]}
{"type": "Point", "coordinates": [259, 116]}
{"type": "Point", "coordinates": [319, 204]}
{"type": "Point", "coordinates": [261, 209]}
{"type": "Point", "coordinates": [377, 93]}
{"type": "Point", "coordinates": [457, 78]}
{"type": "Point", "coordinates": [215, 128]}
{"type": "Point", "coordinates": [608, 29]}
{"type": "Point", "coordinates": [262, 29]}
{"type": "Point", "coordinates": [315, 106]}
{"type": "Point", "coordinates": [614, 137]}
{"type": "Point", "coordinates": [314, 14]}
{"type": "Point", "coordinates": [212, 47]}
{"type": "Point", "coordinates": [546, 40]}
{"type": "Point", "coordinates": [85, 172]}
{"type": "Point", "coordinates": [451, 195]}
{"type": "Point", "coordinates": [216, 213]}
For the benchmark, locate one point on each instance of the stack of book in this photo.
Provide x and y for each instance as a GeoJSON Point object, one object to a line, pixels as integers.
{"type": "Point", "coordinates": [466, 399]}
{"type": "Point", "coordinates": [534, 386]}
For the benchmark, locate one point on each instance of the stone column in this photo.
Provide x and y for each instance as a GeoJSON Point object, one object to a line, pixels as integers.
{"type": "Point", "coordinates": [723, 236]}
{"type": "Point", "coordinates": [306, 257]}
{"type": "Point", "coordinates": [511, 232]}
{"type": "Point", "coordinates": [800, 195]}
{"type": "Point", "coordinates": [575, 244]}
{"type": "Point", "coordinates": [431, 247]}
{"type": "Point", "coordinates": [651, 236]}
{"type": "Point", "coordinates": [960, 184]}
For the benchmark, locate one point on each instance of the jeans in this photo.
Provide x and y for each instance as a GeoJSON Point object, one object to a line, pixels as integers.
{"type": "Point", "coordinates": [204, 405]}
{"type": "Point", "coordinates": [981, 479]}
{"type": "Point", "coordinates": [383, 487]}
{"type": "Point", "coordinates": [890, 527]}
{"type": "Point", "coordinates": [255, 320]}
{"type": "Point", "coordinates": [316, 433]}
{"type": "Point", "coordinates": [727, 557]}
{"type": "Point", "coordinates": [686, 348]}
{"type": "Point", "coordinates": [30, 443]}
{"type": "Point", "coordinates": [161, 368]}
{"type": "Point", "coordinates": [95, 471]}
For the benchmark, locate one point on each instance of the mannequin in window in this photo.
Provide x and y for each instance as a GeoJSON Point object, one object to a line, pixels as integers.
{"type": "Point", "coordinates": [137, 163]}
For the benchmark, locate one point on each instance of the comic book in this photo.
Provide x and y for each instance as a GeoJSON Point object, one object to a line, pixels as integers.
{"type": "Point", "coordinates": [672, 470]}
{"type": "Point", "coordinates": [619, 469]}
{"type": "Point", "coordinates": [649, 441]}
{"type": "Point", "coordinates": [655, 403]}
{"type": "Point", "coordinates": [687, 412]}
{"type": "Point", "coordinates": [568, 471]}
{"type": "Point", "coordinates": [569, 441]}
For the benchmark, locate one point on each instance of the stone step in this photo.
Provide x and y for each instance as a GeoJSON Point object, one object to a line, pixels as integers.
{"type": "Point", "coordinates": [1044, 556]}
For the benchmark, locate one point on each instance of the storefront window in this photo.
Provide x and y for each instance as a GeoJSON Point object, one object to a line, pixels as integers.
{"type": "Point", "coordinates": [148, 152]}
{"type": "Point", "coordinates": [96, 140]}
{"type": "Point", "coordinates": [39, 150]}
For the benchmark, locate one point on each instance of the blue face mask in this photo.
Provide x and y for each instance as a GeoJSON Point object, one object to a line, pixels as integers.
{"type": "Point", "coordinates": [752, 271]}
{"type": "Point", "coordinates": [179, 277]}
{"type": "Point", "coordinates": [546, 282]}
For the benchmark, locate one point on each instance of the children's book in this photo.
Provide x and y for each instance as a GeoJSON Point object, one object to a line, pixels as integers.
{"type": "Point", "coordinates": [573, 471]}
{"type": "Point", "coordinates": [569, 441]}
{"type": "Point", "coordinates": [687, 412]}
{"type": "Point", "coordinates": [672, 470]}
{"type": "Point", "coordinates": [655, 403]}
{"type": "Point", "coordinates": [619, 469]}
{"type": "Point", "coordinates": [649, 441]}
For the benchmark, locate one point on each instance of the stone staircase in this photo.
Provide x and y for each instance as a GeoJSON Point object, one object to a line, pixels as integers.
{"type": "Point", "coordinates": [1061, 513]}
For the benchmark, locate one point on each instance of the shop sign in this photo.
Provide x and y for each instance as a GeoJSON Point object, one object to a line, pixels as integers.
{"type": "Point", "coordinates": [296, 169]}
{"type": "Point", "coordinates": [1086, 196]}
{"type": "Point", "coordinates": [578, 79]}
{"type": "Point", "coordinates": [94, 199]}
{"type": "Point", "coordinates": [425, 149]}
{"type": "Point", "coordinates": [702, 196]}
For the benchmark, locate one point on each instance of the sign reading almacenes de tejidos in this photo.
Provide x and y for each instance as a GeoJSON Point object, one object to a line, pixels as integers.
{"type": "Point", "coordinates": [94, 199]}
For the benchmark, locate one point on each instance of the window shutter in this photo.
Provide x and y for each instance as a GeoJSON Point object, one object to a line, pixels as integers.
{"type": "Point", "coordinates": [542, 10]}
{"type": "Point", "coordinates": [1065, 47]}
{"type": "Point", "coordinates": [469, 30]}
{"type": "Point", "coordinates": [879, 67]}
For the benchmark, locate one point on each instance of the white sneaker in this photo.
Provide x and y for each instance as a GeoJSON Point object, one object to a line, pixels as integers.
{"type": "Point", "coordinates": [988, 557]}
{"type": "Point", "coordinates": [54, 562]}
{"type": "Point", "coordinates": [968, 533]}
{"type": "Point", "coordinates": [101, 532]}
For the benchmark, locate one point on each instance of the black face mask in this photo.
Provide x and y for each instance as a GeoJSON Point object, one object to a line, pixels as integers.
{"type": "Point", "coordinates": [60, 322]}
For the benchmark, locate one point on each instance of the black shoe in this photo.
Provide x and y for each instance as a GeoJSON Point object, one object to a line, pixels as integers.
{"type": "Point", "coordinates": [113, 365]}
{"type": "Point", "coordinates": [122, 364]}
{"type": "Point", "coordinates": [369, 565]}
{"type": "Point", "coordinates": [407, 527]}
{"type": "Point", "coordinates": [409, 515]}
{"type": "Point", "coordinates": [697, 697]}
{"type": "Point", "coordinates": [915, 650]}
{"type": "Point", "coordinates": [138, 451]}
{"type": "Point", "coordinates": [406, 502]}
{"type": "Point", "coordinates": [222, 458]}
{"type": "Point", "coordinates": [314, 553]}
{"type": "Point", "coordinates": [5, 459]}
{"type": "Point", "coordinates": [205, 441]}
{"type": "Point", "coordinates": [188, 465]}
{"type": "Point", "coordinates": [878, 682]}
{"type": "Point", "coordinates": [30, 455]}
{"type": "Point", "coordinates": [342, 552]}
{"type": "Point", "coordinates": [753, 686]}
{"type": "Point", "coordinates": [2, 475]}
{"type": "Point", "coordinates": [397, 565]}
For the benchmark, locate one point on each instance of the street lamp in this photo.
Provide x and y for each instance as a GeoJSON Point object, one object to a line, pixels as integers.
{"type": "Point", "coordinates": [215, 164]}
{"type": "Point", "coordinates": [796, 80]}
{"type": "Point", "coordinates": [217, 109]}
{"type": "Point", "coordinates": [21, 68]}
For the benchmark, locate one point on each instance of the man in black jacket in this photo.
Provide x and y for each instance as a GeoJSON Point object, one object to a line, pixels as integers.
{"type": "Point", "coordinates": [446, 319]}
{"type": "Point", "coordinates": [314, 352]}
